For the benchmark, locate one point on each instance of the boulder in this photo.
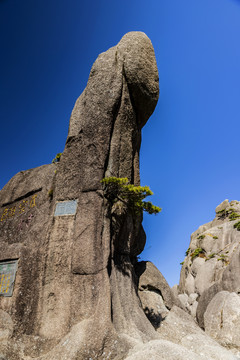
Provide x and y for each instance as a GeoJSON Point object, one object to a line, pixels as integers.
{"type": "Point", "coordinates": [175, 290]}
{"type": "Point", "coordinates": [189, 303]}
{"type": "Point", "coordinates": [204, 300]}
{"type": "Point", "coordinates": [164, 350]}
{"type": "Point", "coordinates": [155, 294]}
{"type": "Point", "coordinates": [230, 277]}
{"type": "Point", "coordinates": [184, 300]}
{"type": "Point", "coordinates": [153, 306]}
{"type": "Point", "coordinates": [180, 328]}
{"type": "Point", "coordinates": [151, 279]}
{"type": "Point", "coordinates": [222, 319]}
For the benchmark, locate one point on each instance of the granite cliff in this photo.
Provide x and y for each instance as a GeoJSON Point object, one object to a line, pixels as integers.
{"type": "Point", "coordinates": [71, 286]}
{"type": "Point", "coordinates": [210, 283]}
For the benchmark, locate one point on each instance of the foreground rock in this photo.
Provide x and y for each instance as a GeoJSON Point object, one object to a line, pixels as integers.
{"type": "Point", "coordinates": [181, 329]}
{"type": "Point", "coordinates": [181, 339]}
{"type": "Point", "coordinates": [222, 319]}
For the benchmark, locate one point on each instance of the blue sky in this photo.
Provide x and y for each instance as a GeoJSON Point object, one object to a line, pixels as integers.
{"type": "Point", "coordinates": [190, 147]}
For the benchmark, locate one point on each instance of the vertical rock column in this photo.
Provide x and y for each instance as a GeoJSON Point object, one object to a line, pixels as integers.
{"type": "Point", "coordinates": [100, 243]}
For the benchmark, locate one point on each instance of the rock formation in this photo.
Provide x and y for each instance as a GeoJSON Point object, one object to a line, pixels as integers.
{"type": "Point", "coordinates": [210, 277]}
{"type": "Point", "coordinates": [154, 292]}
{"type": "Point", "coordinates": [68, 258]}
{"type": "Point", "coordinates": [75, 279]}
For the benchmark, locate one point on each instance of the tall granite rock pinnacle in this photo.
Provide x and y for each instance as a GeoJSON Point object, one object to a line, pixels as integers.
{"type": "Point", "coordinates": [70, 284]}
{"type": "Point", "coordinates": [74, 295]}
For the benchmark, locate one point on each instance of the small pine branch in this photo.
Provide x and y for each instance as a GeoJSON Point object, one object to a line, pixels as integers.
{"type": "Point", "coordinates": [57, 158]}
{"type": "Point", "coordinates": [120, 189]}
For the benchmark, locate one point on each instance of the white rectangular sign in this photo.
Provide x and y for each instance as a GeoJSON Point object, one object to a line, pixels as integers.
{"type": "Point", "coordinates": [66, 208]}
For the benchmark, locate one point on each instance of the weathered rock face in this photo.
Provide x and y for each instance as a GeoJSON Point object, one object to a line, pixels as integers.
{"type": "Point", "coordinates": [181, 329]}
{"type": "Point", "coordinates": [222, 319]}
{"type": "Point", "coordinates": [181, 339]}
{"type": "Point", "coordinates": [75, 295]}
{"type": "Point", "coordinates": [155, 294]}
{"type": "Point", "coordinates": [212, 265]}
{"type": "Point", "coordinates": [213, 253]}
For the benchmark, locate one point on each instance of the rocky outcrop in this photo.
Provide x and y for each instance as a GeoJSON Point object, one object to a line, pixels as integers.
{"type": "Point", "coordinates": [210, 275]}
{"type": "Point", "coordinates": [155, 294]}
{"type": "Point", "coordinates": [213, 253]}
{"type": "Point", "coordinates": [181, 339]}
{"type": "Point", "coordinates": [180, 328]}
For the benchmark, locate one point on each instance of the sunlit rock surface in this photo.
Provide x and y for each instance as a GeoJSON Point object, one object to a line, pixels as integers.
{"type": "Point", "coordinates": [79, 293]}
{"type": "Point", "coordinates": [210, 272]}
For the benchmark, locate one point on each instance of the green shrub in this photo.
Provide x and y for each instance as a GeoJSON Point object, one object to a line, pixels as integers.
{"type": "Point", "coordinates": [231, 213]}
{"type": "Point", "coordinates": [197, 252]}
{"type": "Point", "coordinates": [201, 237]}
{"type": "Point", "coordinates": [233, 216]}
{"type": "Point", "coordinates": [210, 256]}
{"type": "Point", "coordinates": [224, 259]}
{"type": "Point", "coordinates": [119, 189]}
{"type": "Point", "coordinates": [57, 158]}
{"type": "Point", "coordinates": [215, 237]}
{"type": "Point", "coordinates": [221, 211]}
{"type": "Point", "coordinates": [237, 225]}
